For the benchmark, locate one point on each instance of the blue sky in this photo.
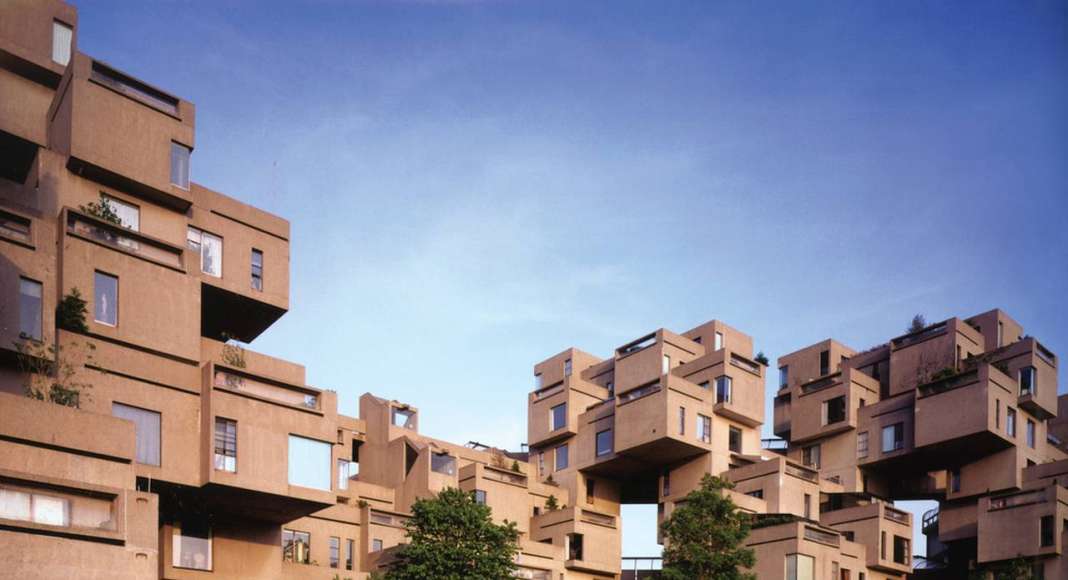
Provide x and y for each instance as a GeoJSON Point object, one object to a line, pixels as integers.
{"type": "Point", "coordinates": [474, 186]}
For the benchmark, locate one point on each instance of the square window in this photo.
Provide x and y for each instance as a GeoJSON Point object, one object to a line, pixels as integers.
{"type": "Point", "coordinates": [834, 410]}
{"type": "Point", "coordinates": [296, 546]}
{"type": "Point", "coordinates": [30, 296]}
{"type": "Point", "coordinates": [309, 463]}
{"type": "Point", "coordinates": [376, 545]}
{"type": "Point", "coordinates": [146, 431]}
{"type": "Point", "coordinates": [180, 165]}
{"type": "Point", "coordinates": [480, 497]}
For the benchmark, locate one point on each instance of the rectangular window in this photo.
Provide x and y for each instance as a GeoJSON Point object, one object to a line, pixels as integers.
{"type": "Point", "coordinates": [537, 382]}
{"type": "Point", "coordinates": [35, 506]}
{"type": "Point", "coordinates": [810, 456]}
{"type": "Point", "coordinates": [997, 414]}
{"type": "Point", "coordinates": [1027, 381]}
{"type": "Point", "coordinates": [62, 41]}
{"type": "Point", "coordinates": [757, 493]}
{"type": "Point", "coordinates": [954, 480]}
{"type": "Point", "coordinates": [723, 389]}
{"type": "Point", "coordinates": [834, 410]}
{"type": "Point", "coordinates": [180, 165]}
{"type": "Point", "coordinates": [667, 483]}
{"type": "Point", "coordinates": [893, 437]}
{"type": "Point", "coordinates": [574, 546]}
{"type": "Point", "coordinates": [825, 362]}
{"type": "Point", "coordinates": [257, 270]}
{"type": "Point", "coordinates": [191, 546]}
{"type": "Point", "coordinates": [718, 341]}
{"type": "Point", "coordinates": [567, 368]}
{"type": "Point", "coordinates": [106, 299]}
{"type": "Point", "coordinates": [443, 463]}
{"type": "Point", "coordinates": [1010, 422]}
{"type": "Point", "coordinates": [1001, 333]}
{"type": "Point", "coordinates": [309, 463]}
{"type": "Point", "coordinates": [129, 215]}
{"type": "Point", "coordinates": [1046, 531]}
{"type": "Point", "coordinates": [800, 567]}
{"type": "Point", "coordinates": [604, 442]}
{"type": "Point", "coordinates": [335, 551]}
{"type": "Point", "coordinates": [480, 497]}
{"type": "Point", "coordinates": [1031, 434]}
{"type": "Point", "coordinates": [558, 417]}
{"type": "Point", "coordinates": [901, 550]}
{"type": "Point", "coordinates": [784, 376]}
{"type": "Point", "coordinates": [30, 296]}
{"type": "Point", "coordinates": [561, 457]}
{"type": "Point", "coordinates": [210, 248]}
{"type": "Point", "coordinates": [296, 546]}
{"type": "Point", "coordinates": [225, 445]}
{"type": "Point", "coordinates": [704, 428]}
{"type": "Point", "coordinates": [16, 227]}
{"type": "Point", "coordinates": [404, 418]}
{"type": "Point", "coordinates": [146, 431]}
{"type": "Point", "coordinates": [591, 486]}
{"type": "Point", "coordinates": [346, 470]}
{"type": "Point", "coordinates": [862, 444]}
{"type": "Point", "coordinates": [665, 365]}
{"type": "Point", "coordinates": [734, 440]}
{"type": "Point", "coordinates": [376, 545]}
{"type": "Point", "coordinates": [134, 89]}
{"type": "Point", "coordinates": [682, 421]}
{"type": "Point", "coordinates": [808, 506]}
{"type": "Point", "coordinates": [350, 547]}
{"type": "Point", "coordinates": [882, 545]}
{"type": "Point", "coordinates": [541, 463]}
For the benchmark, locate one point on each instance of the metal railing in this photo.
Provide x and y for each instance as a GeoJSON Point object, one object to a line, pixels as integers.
{"type": "Point", "coordinates": [896, 515]}
{"type": "Point", "coordinates": [930, 518]}
{"type": "Point", "coordinates": [640, 567]}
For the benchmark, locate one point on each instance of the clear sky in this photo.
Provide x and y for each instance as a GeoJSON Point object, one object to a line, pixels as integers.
{"type": "Point", "coordinates": [475, 186]}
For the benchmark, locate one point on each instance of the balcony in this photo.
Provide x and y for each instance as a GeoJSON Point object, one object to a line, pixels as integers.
{"type": "Point", "coordinates": [120, 239]}
{"type": "Point", "coordinates": [887, 531]}
{"type": "Point", "coordinates": [646, 359]}
{"type": "Point", "coordinates": [552, 412]}
{"type": "Point", "coordinates": [917, 357]}
{"type": "Point", "coordinates": [831, 404]}
{"type": "Point", "coordinates": [1024, 524]}
{"type": "Point", "coordinates": [591, 539]}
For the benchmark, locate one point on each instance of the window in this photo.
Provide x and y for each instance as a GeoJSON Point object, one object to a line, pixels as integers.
{"type": "Point", "coordinates": [309, 463]}
{"type": "Point", "coordinates": [723, 389]}
{"type": "Point", "coordinates": [882, 545]}
{"type": "Point", "coordinates": [901, 550]}
{"type": "Point", "coordinates": [734, 441]}
{"type": "Point", "coordinates": [1001, 333]}
{"type": "Point", "coordinates": [862, 444]}
{"type": "Point", "coordinates": [611, 389]}
{"type": "Point", "coordinates": [718, 341]}
{"type": "Point", "coordinates": [129, 215]}
{"type": "Point", "coordinates": [30, 295]}
{"type": "Point", "coordinates": [191, 546]}
{"type": "Point", "coordinates": [480, 496]}
{"type": "Point", "coordinates": [810, 456]}
{"type": "Point", "coordinates": [558, 417]}
{"type": "Point", "coordinates": [574, 546]}
{"type": "Point", "coordinates": [825, 362]}
{"type": "Point", "coordinates": [667, 483]}
{"type": "Point", "coordinates": [561, 457]}
{"type": "Point", "coordinates": [954, 480]}
{"type": "Point", "coordinates": [1010, 422]}
{"type": "Point", "coordinates": [62, 40]}
{"type": "Point", "coordinates": [567, 368]}
{"type": "Point", "coordinates": [1046, 531]}
{"type": "Point", "coordinates": [665, 365]}
{"type": "Point", "coordinates": [106, 299]}
{"type": "Point", "coordinates": [893, 437]}
{"type": "Point", "coordinates": [808, 506]}
{"type": "Point", "coordinates": [257, 270]}
{"type": "Point", "coordinates": [834, 410]}
{"type": "Point", "coordinates": [335, 551]}
{"type": "Point", "coordinates": [704, 385]}
{"type": "Point", "coordinates": [997, 413]}
{"type": "Point", "coordinates": [134, 89]}
{"type": "Point", "coordinates": [376, 545]}
{"type": "Point", "coordinates": [537, 381]}
{"type": "Point", "coordinates": [591, 486]}
{"type": "Point", "coordinates": [33, 506]}
{"type": "Point", "coordinates": [443, 463]}
{"type": "Point", "coordinates": [682, 420]}
{"type": "Point", "coordinates": [146, 431]}
{"type": "Point", "coordinates": [541, 463]}
{"type": "Point", "coordinates": [346, 470]}
{"type": "Point", "coordinates": [404, 418]}
{"type": "Point", "coordinates": [1031, 434]}
{"type": "Point", "coordinates": [800, 567]}
{"type": "Point", "coordinates": [225, 445]}
{"type": "Point", "coordinates": [1027, 381]}
{"type": "Point", "coordinates": [604, 442]}
{"type": "Point", "coordinates": [704, 428]}
{"type": "Point", "coordinates": [210, 248]}
{"type": "Point", "coordinates": [350, 547]}
{"type": "Point", "coordinates": [784, 376]}
{"type": "Point", "coordinates": [757, 493]}
{"type": "Point", "coordinates": [180, 165]}
{"type": "Point", "coordinates": [296, 546]}
{"type": "Point", "coordinates": [15, 227]}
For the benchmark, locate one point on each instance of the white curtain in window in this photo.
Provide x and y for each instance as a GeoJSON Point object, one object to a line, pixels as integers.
{"type": "Point", "coordinates": [211, 254]}
{"type": "Point", "coordinates": [62, 38]}
{"type": "Point", "coordinates": [50, 510]}
{"type": "Point", "coordinates": [14, 505]}
{"type": "Point", "coordinates": [146, 429]}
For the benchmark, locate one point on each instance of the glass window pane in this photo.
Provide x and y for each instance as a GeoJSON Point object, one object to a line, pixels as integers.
{"type": "Point", "coordinates": [180, 165]}
{"type": "Point", "coordinates": [14, 505]}
{"type": "Point", "coordinates": [129, 214]}
{"type": "Point", "coordinates": [559, 416]}
{"type": "Point", "coordinates": [30, 293]}
{"type": "Point", "coordinates": [604, 442]}
{"type": "Point", "coordinates": [309, 463]}
{"type": "Point", "coordinates": [62, 38]}
{"type": "Point", "coordinates": [106, 299]}
{"type": "Point", "coordinates": [50, 510]}
{"type": "Point", "coordinates": [211, 254]}
{"type": "Point", "coordinates": [191, 546]}
{"type": "Point", "coordinates": [146, 430]}
{"type": "Point", "coordinates": [561, 457]}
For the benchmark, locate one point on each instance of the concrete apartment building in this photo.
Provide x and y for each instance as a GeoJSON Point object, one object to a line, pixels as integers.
{"type": "Point", "coordinates": [192, 457]}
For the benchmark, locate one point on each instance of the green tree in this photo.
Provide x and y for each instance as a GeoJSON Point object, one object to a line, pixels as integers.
{"type": "Point", "coordinates": [1016, 569]}
{"type": "Point", "coordinates": [71, 312]}
{"type": "Point", "coordinates": [918, 323]}
{"type": "Point", "coordinates": [102, 209]}
{"type": "Point", "coordinates": [762, 358]}
{"type": "Point", "coordinates": [451, 537]}
{"type": "Point", "coordinates": [703, 536]}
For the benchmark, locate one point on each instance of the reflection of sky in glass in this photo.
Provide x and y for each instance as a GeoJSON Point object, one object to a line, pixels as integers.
{"type": "Point", "coordinates": [309, 463]}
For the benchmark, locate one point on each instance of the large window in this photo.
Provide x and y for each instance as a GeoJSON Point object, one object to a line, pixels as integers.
{"type": "Point", "coordinates": [443, 463]}
{"type": "Point", "coordinates": [704, 428]}
{"type": "Point", "coordinates": [810, 456]}
{"type": "Point", "coordinates": [1010, 422]}
{"type": "Point", "coordinates": [225, 445]}
{"type": "Point", "coordinates": [62, 40]}
{"type": "Point", "coordinates": [800, 567]}
{"type": "Point", "coordinates": [893, 437]}
{"type": "Point", "coordinates": [309, 463]}
{"type": "Point", "coordinates": [834, 410]}
{"type": "Point", "coordinates": [561, 457]}
{"type": "Point", "coordinates": [30, 293]}
{"type": "Point", "coordinates": [335, 551]}
{"type": "Point", "coordinates": [723, 389]}
{"type": "Point", "coordinates": [257, 270]}
{"type": "Point", "coordinates": [734, 439]}
{"type": "Point", "coordinates": [106, 299]}
{"type": "Point", "coordinates": [862, 444]}
{"type": "Point", "coordinates": [1028, 382]}
{"type": "Point", "coordinates": [191, 546]}
{"type": "Point", "coordinates": [55, 508]}
{"type": "Point", "coordinates": [210, 248]}
{"type": "Point", "coordinates": [296, 546]}
{"type": "Point", "coordinates": [558, 417]}
{"type": "Point", "coordinates": [604, 442]}
{"type": "Point", "coordinates": [129, 215]}
{"type": "Point", "coordinates": [146, 431]}
{"type": "Point", "coordinates": [180, 165]}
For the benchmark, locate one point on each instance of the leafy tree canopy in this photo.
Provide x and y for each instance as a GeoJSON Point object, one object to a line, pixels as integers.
{"type": "Point", "coordinates": [704, 536]}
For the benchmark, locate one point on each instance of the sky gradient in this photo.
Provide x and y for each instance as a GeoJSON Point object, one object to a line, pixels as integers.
{"type": "Point", "coordinates": [476, 186]}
